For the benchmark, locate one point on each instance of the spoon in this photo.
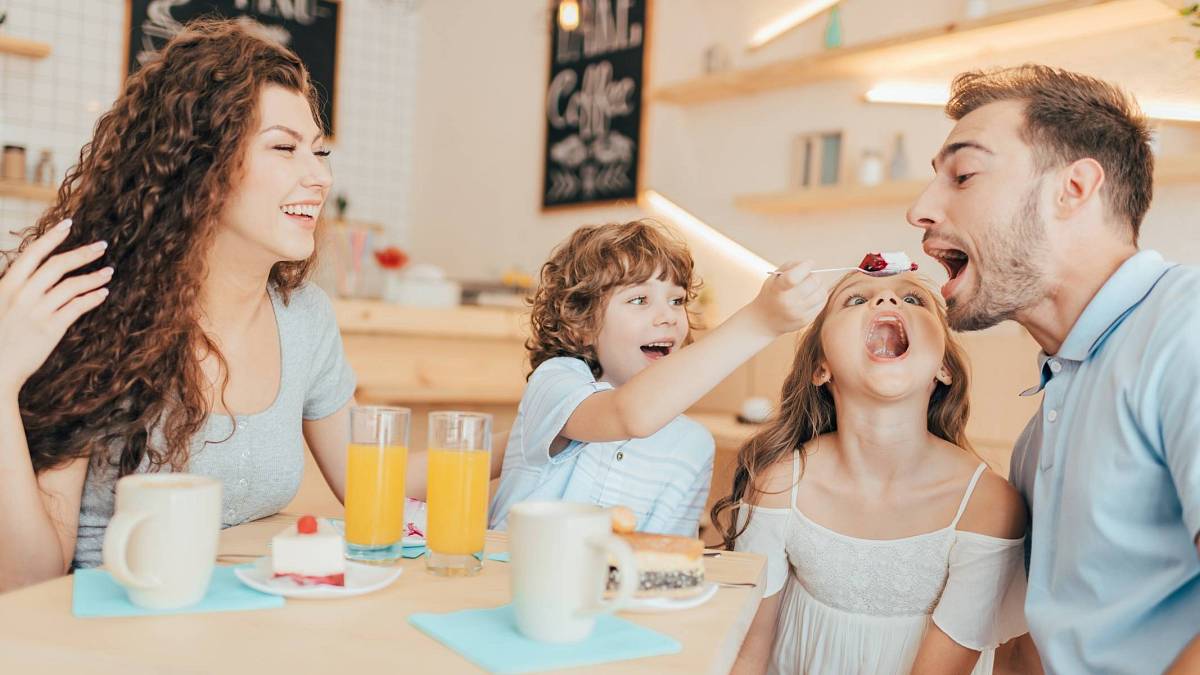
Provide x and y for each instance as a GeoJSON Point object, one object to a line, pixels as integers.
{"type": "Point", "coordinates": [876, 273]}
{"type": "Point", "coordinates": [875, 265]}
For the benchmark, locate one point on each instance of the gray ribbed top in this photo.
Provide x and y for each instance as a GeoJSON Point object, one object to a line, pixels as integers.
{"type": "Point", "coordinates": [260, 465]}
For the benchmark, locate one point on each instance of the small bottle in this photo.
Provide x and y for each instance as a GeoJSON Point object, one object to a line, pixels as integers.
{"type": "Point", "coordinates": [833, 29]}
{"type": "Point", "coordinates": [899, 167]}
{"type": "Point", "coordinates": [43, 173]}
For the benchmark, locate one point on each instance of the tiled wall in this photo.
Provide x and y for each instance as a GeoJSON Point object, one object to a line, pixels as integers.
{"type": "Point", "coordinates": [54, 102]}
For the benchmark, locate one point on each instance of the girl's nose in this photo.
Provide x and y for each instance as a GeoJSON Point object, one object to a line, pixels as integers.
{"type": "Point", "coordinates": [887, 297]}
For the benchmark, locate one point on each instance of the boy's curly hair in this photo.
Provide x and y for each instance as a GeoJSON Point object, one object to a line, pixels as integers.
{"type": "Point", "coordinates": [583, 271]}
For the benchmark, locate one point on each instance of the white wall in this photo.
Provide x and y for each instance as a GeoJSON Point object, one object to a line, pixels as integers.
{"type": "Point", "coordinates": [479, 131]}
{"type": "Point", "coordinates": [54, 102]}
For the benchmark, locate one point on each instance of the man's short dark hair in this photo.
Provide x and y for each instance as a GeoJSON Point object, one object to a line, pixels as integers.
{"type": "Point", "coordinates": [1069, 116]}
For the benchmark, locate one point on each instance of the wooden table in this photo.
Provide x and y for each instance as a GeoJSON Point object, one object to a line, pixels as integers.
{"type": "Point", "coordinates": [370, 633]}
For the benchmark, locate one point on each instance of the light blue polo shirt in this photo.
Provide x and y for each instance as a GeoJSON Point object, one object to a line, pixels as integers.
{"type": "Point", "coordinates": [663, 478]}
{"type": "Point", "coordinates": [1110, 467]}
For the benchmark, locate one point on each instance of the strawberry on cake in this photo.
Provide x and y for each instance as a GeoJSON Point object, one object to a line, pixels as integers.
{"type": "Point", "coordinates": [892, 261]}
{"type": "Point", "coordinates": [309, 553]}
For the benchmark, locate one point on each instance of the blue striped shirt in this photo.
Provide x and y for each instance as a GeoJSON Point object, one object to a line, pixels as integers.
{"type": "Point", "coordinates": [663, 479]}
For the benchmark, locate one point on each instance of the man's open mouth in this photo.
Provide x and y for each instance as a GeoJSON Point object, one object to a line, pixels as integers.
{"type": "Point", "coordinates": [657, 350]}
{"type": "Point", "coordinates": [955, 261]}
{"type": "Point", "coordinates": [887, 338]}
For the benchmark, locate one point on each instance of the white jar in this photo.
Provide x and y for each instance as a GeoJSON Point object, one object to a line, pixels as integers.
{"type": "Point", "coordinates": [870, 168]}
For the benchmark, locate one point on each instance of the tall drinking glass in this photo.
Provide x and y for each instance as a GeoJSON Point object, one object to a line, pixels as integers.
{"type": "Point", "coordinates": [460, 448]}
{"type": "Point", "coordinates": [375, 472]}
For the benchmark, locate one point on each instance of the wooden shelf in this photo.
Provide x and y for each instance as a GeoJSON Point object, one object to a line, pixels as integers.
{"type": "Point", "coordinates": [23, 47]}
{"type": "Point", "coordinates": [1171, 169]}
{"type": "Point", "coordinates": [1053, 21]}
{"type": "Point", "coordinates": [25, 190]}
{"type": "Point", "coordinates": [830, 198]}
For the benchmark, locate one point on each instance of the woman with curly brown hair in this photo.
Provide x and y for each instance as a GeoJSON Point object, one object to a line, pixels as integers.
{"type": "Point", "coordinates": [210, 353]}
{"type": "Point", "coordinates": [890, 548]}
{"type": "Point", "coordinates": [601, 419]}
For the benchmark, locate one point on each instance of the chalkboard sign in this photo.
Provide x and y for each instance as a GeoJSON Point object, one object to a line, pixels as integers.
{"type": "Point", "coordinates": [307, 27]}
{"type": "Point", "coordinates": [593, 105]}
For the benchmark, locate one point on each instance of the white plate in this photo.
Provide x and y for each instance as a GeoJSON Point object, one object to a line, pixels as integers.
{"type": "Point", "coordinates": [360, 579]}
{"type": "Point", "coordinates": [647, 605]}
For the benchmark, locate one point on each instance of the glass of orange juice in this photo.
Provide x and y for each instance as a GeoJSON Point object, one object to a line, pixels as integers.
{"type": "Point", "coordinates": [375, 469]}
{"type": "Point", "coordinates": [460, 449]}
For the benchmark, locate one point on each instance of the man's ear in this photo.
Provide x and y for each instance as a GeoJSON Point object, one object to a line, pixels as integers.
{"type": "Point", "coordinates": [1080, 182]}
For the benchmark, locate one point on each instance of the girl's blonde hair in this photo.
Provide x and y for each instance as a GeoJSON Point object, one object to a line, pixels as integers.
{"type": "Point", "coordinates": [583, 271]}
{"type": "Point", "coordinates": [806, 411]}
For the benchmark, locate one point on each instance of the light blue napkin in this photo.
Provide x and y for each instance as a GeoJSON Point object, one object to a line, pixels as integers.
{"type": "Point", "coordinates": [419, 551]}
{"type": "Point", "coordinates": [96, 594]}
{"type": "Point", "coordinates": [489, 638]}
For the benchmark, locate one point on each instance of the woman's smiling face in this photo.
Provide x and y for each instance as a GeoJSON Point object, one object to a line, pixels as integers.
{"type": "Point", "coordinates": [883, 336]}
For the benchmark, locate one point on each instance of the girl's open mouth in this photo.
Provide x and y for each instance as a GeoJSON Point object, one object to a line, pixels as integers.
{"type": "Point", "coordinates": [887, 338]}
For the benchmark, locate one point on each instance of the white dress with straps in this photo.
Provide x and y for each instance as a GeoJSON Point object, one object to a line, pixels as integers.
{"type": "Point", "coordinates": [858, 606]}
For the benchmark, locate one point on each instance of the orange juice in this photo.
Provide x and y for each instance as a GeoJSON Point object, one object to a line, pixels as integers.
{"type": "Point", "coordinates": [458, 496]}
{"type": "Point", "coordinates": [375, 494]}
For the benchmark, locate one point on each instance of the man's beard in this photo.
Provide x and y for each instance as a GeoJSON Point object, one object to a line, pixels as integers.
{"type": "Point", "coordinates": [1013, 276]}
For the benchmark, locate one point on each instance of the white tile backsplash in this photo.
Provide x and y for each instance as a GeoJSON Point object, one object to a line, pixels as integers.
{"type": "Point", "coordinates": [45, 103]}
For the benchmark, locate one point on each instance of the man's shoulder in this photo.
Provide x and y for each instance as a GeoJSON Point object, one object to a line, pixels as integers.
{"type": "Point", "coordinates": [1176, 281]}
{"type": "Point", "coordinates": [1169, 319]}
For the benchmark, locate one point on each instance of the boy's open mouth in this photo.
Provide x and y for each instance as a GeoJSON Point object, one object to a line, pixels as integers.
{"type": "Point", "coordinates": [886, 338]}
{"type": "Point", "coordinates": [657, 350]}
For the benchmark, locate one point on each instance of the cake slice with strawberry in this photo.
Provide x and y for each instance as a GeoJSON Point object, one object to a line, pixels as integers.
{"type": "Point", "coordinates": [310, 553]}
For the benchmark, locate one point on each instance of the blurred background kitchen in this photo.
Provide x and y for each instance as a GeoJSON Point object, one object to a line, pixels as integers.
{"type": "Point", "coordinates": [470, 136]}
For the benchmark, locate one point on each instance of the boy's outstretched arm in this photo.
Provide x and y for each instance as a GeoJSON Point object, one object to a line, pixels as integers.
{"type": "Point", "coordinates": [648, 401]}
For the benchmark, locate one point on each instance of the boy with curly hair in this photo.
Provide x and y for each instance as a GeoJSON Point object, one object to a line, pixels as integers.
{"type": "Point", "coordinates": [601, 418]}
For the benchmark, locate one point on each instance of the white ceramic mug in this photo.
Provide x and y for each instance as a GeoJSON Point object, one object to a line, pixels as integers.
{"type": "Point", "coordinates": [560, 554]}
{"type": "Point", "coordinates": [161, 543]}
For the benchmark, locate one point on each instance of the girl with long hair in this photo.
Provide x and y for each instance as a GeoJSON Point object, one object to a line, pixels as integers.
{"type": "Point", "coordinates": [890, 547]}
{"type": "Point", "coordinates": [157, 317]}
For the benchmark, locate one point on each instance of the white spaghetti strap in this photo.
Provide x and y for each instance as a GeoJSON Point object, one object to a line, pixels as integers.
{"type": "Point", "coordinates": [967, 496]}
{"type": "Point", "coordinates": [795, 475]}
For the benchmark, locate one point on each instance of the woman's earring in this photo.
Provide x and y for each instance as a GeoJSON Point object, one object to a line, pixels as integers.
{"type": "Point", "coordinates": [944, 377]}
{"type": "Point", "coordinates": [822, 377]}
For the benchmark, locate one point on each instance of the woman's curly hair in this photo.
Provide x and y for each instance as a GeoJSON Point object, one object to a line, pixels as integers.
{"type": "Point", "coordinates": [151, 183]}
{"type": "Point", "coordinates": [577, 281]}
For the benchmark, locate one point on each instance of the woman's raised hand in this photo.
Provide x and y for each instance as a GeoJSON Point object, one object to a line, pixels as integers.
{"type": "Point", "coordinates": [39, 302]}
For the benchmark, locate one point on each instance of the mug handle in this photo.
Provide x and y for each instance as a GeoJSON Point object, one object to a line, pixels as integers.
{"type": "Point", "coordinates": [116, 546]}
{"type": "Point", "coordinates": [626, 569]}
